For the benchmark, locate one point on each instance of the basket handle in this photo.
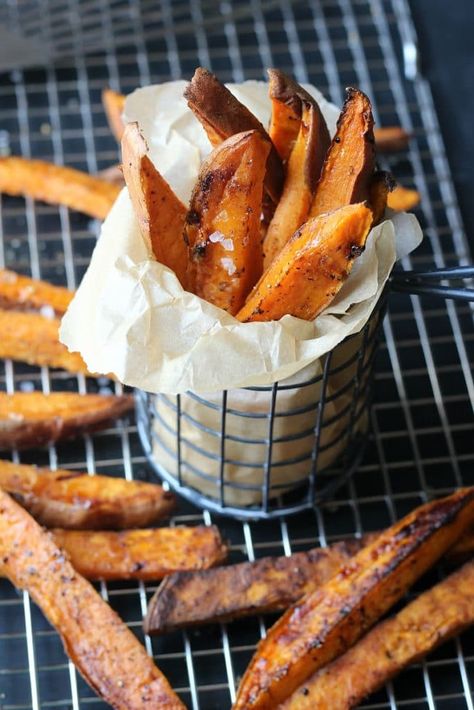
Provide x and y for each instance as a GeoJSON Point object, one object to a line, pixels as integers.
{"type": "Point", "coordinates": [424, 282]}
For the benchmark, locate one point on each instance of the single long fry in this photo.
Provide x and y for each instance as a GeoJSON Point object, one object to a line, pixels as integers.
{"type": "Point", "coordinates": [32, 338]}
{"type": "Point", "coordinates": [303, 170]}
{"type": "Point", "coordinates": [430, 620]}
{"type": "Point", "coordinates": [57, 184]}
{"type": "Point", "coordinates": [391, 139]}
{"type": "Point", "coordinates": [21, 293]}
{"type": "Point", "coordinates": [311, 268]}
{"type": "Point", "coordinates": [141, 554]}
{"type": "Point", "coordinates": [222, 116]}
{"type": "Point", "coordinates": [381, 185]}
{"type": "Point", "coordinates": [114, 104]}
{"type": "Point", "coordinates": [326, 622]}
{"type": "Point", "coordinates": [104, 650]}
{"type": "Point", "coordinates": [223, 223]}
{"type": "Point", "coordinates": [402, 199]}
{"type": "Point", "coordinates": [112, 174]}
{"type": "Point", "coordinates": [350, 161]}
{"type": "Point", "coordinates": [75, 500]}
{"type": "Point", "coordinates": [29, 419]}
{"type": "Point", "coordinates": [160, 213]}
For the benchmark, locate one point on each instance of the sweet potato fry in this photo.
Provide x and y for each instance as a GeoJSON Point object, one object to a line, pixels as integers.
{"type": "Point", "coordinates": [222, 116]}
{"type": "Point", "coordinates": [311, 268]}
{"type": "Point", "coordinates": [326, 622]}
{"type": "Point", "coordinates": [75, 500]}
{"type": "Point", "coordinates": [29, 419]}
{"type": "Point", "coordinates": [303, 170]}
{"type": "Point", "coordinates": [32, 338]}
{"type": "Point", "coordinates": [114, 104]}
{"type": "Point", "coordinates": [104, 650]}
{"type": "Point", "coordinates": [391, 139]}
{"type": "Point", "coordinates": [402, 199]}
{"type": "Point", "coordinates": [141, 554]}
{"type": "Point", "coordinates": [435, 616]}
{"type": "Point", "coordinates": [350, 161]}
{"type": "Point", "coordinates": [57, 184]}
{"type": "Point", "coordinates": [21, 293]}
{"type": "Point", "coordinates": [223, 224]}
{"type": "Point", "coordinates": [113, 174]}
{"type": "Point", "coordinates": [381, 185]}
{"type": "Point", "coordinates": [159, 212]}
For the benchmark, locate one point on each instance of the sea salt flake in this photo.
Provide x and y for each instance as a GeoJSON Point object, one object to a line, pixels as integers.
{"type": "Point", "coordinates": [228, 265]}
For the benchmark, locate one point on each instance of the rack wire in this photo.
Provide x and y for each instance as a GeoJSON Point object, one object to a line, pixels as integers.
{"type": "Point", "coordinates": [424, 397]}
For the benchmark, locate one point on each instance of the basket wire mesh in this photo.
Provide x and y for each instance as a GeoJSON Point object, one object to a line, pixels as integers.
{"type": "Point", "coordinates": [423, 410]}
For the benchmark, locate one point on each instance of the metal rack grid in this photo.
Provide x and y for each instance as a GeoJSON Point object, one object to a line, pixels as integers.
{"type": "Point", "coordinates": [422, 417]}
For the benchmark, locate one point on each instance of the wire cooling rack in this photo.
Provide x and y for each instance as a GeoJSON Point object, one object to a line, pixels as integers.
{"type": "Point", "coordinates": [422, 417]}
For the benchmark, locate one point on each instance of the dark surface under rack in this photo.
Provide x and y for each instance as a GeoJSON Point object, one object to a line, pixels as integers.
{"type": "Point", "coordinates": [423, 413]}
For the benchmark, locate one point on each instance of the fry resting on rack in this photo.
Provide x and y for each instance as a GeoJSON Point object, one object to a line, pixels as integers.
{"type": "Point", "coordinates": [141, 554]}
{"type": "Point", "coordinates": [21, 293]}
{"type": "Point", "coordinates": [104, 650]}
{"type": "Point", "coordinates": [30, 419]}
{"type": "Point", "coordinates": [391, 139]}
{"type": "Point", "coordinates": [326, 622]}
{"type": "Point", "coordinates": [402, 199]}
{"type": "Point", "coordinates": [57, 184]}
{"type": "Point", "coordinates": [75, 500]}
{"type": "Point", "coordinates": [435, 616]}
{"type": "Point", "coordinates": [114, 104]}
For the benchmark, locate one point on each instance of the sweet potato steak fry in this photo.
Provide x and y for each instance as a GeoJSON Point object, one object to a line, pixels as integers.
{"type": "Point", "coordinates": [326, 622]}
{"type": "Point", "coordinates": [114, 104]}
{"type": "Point", "coordinates": [434, 617]}
{"type": "Point", "coordinates": [29, 419]}
{"type": "Point", "coordinates": [57, 184]}
{"type": "Point", "coordinates": [104, 650]}
{"type": "Point", "coordinates": [75, 500]}
{"type": "Point", "coordinates": [141, 554]}
{"type": "Point", "coordinates": [309, 271]}
{"type": "Point", "coordinates": [21, 293]}
{"type": "Point", "coordinates": [159, 212]}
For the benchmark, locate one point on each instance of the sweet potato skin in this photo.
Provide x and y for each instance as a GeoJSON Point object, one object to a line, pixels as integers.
{"type": "Point", "coordinates": [160, 213]}
{"type": "Point", "coordinates": [148, 554]}
{"type": "Point", "coordinates": [350, 161]}
{"type": "Point", "coordinates": [223, 224]}
{"type": "Point", "coordinates": [402, 199]}
{"type": "Point", "coordinates": [114, 104]}
{"type": "Point", "coordinates": [324, 623]}
{"type": "Point", "coordinates": [435, 616]}
{"type": "Point", "coordinates": [29, 419]}
{"type": "Point", "coordinates": [381, 185]}
{"type": "Point", "coordinates": [104, 650]}
{"type": "Point", "coordinates": [311, 268]}
{"type": "Point", "coordinates": [75, 500]}
{"type": "Point", "coordinates": [57, 184]}
{"type": "Point", "coordinates": [21, 293]}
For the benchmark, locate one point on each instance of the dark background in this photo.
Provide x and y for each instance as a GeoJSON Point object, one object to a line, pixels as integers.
{"type": "Point", "coordinates": [446, 37]}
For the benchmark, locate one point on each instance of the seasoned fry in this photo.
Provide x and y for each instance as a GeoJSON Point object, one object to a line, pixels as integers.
{"type": "Point", "coordinates": [350, 161]}
{"type": "Point", "coordinates": [160, 213]}
{"type": "Point", "coordinates": [303, 170]}
{"type": "Point", "coordinates": [311, 268]}
{"type": "Point", "coordinates": [430, 620]}
{"type": "Point", "coordinates": [114, 104]}
{"type": "Point", "coordinates": [75, 500]}
{"type": "Point", "coordinates": [57, 184]}
{"type": "Point", "coordinates": [402, 199]}
{"type": "Point", "coordinates": [104, 650]}
{"type": "Point", "coordinates": [141, 554]}
{"type": "Point", "coordinates": [29, 419]}
{"type": "Point", "coordinates": [381, 185]}
{"type": "Point", "coordinates": [391, 139]}
{"type": "Point", "coordinates": [326, 622]}
{"type": "Point", "coordinates": [32, 338]}
{"type": "Point", "coordinates": [222, 116]}
{"type": "Point", "coordinates": [223, 224]}
{"type": "Point", "coordinates": [21, 293]}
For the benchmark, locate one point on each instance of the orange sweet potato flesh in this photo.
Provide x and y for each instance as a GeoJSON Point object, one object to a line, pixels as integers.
{"type": "Point", "coordinates": [159, 212]}
{"type": "Point", "coordinates": [22, 293]}
{"type": "Point", "coordinates": [391, 139]}
{"type": "Point", "coordinates": [435, 616]}
{"type": "Point", "coordinates": [75, 500]}
{"type": "Point", "coordinates": [30, 419]}
{"type": "Point", "coordinates": [381, 185]}
{"type": "Point", "coordinates": [222, 116]}
{"type": "Point", "coordinates": [350, 161]}
{"type": "Point", "coordinates": [402, 199]}
{"type": "Point", "coordinates": [32, 338]}
{"type": "Point", "coordinates": [223, 223]}
{"type": "Point", "coordinates": [141, 554]}
{"type": "Point", "coordinates": [114, 104]}
{"type": "Point", "coordinates": [303, 170]}
{"type": "Point", "coordinates": [105, 652]}
{"type": "Point", "coordinates": [326, 622]}
{"type": "Point", "coordinates": [57, 184]}
{"type": "Point", "coordinates": [311, 268]}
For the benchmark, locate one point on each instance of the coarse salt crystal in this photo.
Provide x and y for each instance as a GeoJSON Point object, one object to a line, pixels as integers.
{"type": "Point", "coordinates": [229, 265]}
